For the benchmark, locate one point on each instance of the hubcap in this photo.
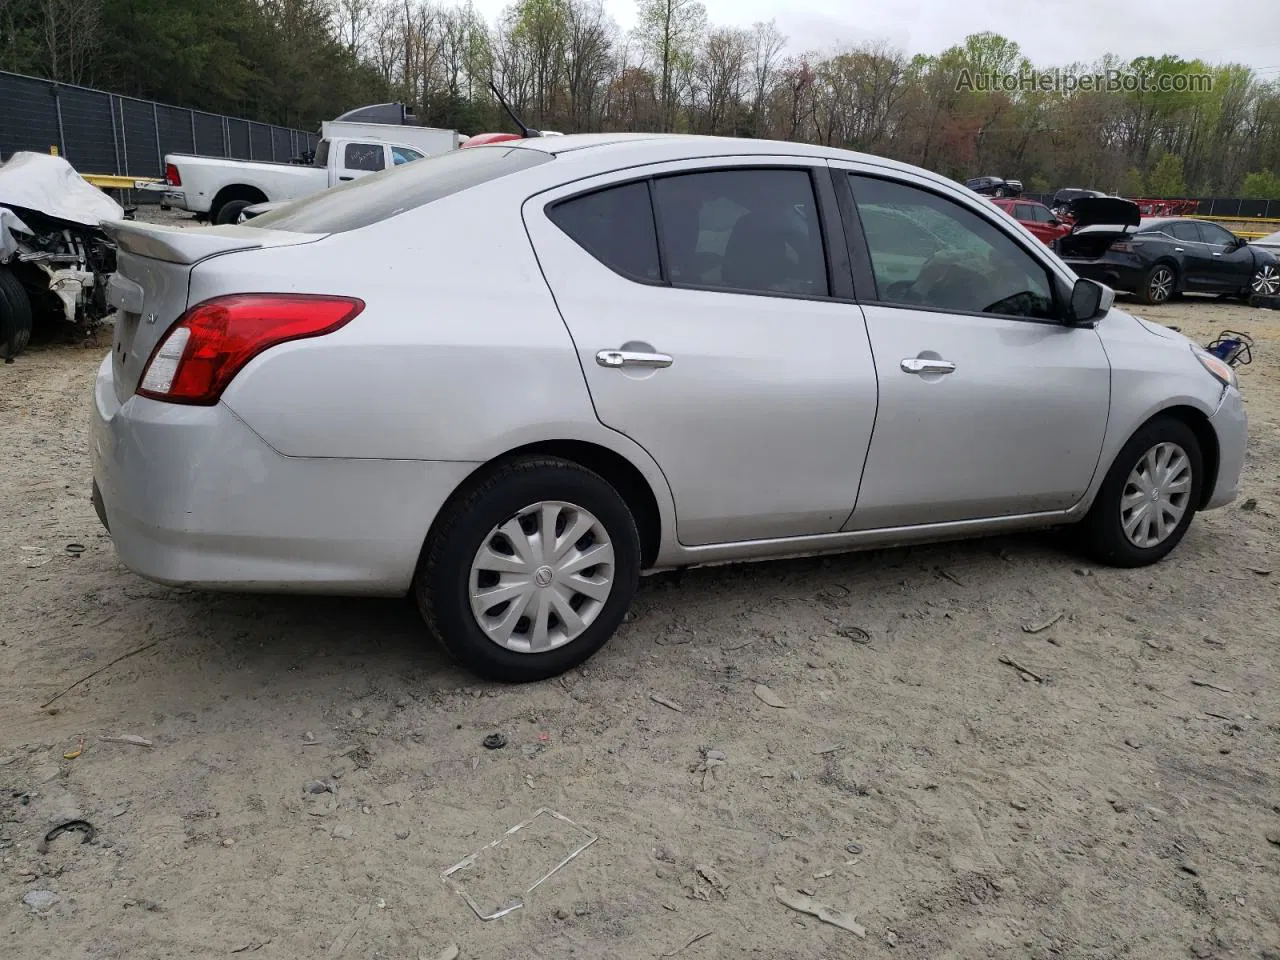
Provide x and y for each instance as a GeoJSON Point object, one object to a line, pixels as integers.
{"type": "Point", "coordinates": [541, 577]}
{"type": "Point", "coordinates": [1161, 284]}
{"type": "Point", "coordinates": [1156, 495]}
{"type": "Point", "coordinates": [1266, 281]}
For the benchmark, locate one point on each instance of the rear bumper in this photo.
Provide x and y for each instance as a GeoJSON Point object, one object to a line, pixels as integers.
{"type": "Point", "coordinates": [1117, 276]}
{"type": "Point", "coordinates": [193, 497]}
{"type": "Point", "coordinates": [1231, 426]}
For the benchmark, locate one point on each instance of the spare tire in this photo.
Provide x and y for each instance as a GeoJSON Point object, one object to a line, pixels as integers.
{"type": "Point", "coordinates": [15, 315]}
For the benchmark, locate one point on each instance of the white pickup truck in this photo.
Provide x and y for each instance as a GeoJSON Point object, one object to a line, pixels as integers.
{"type": "Point", "coordinates": [218, 189]}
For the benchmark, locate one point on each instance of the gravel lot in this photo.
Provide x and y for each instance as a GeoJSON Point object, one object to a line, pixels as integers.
{"type": "Point", "coordinates": [1126, 806]}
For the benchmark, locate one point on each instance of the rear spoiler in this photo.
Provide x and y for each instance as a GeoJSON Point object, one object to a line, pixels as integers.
{"type": "Point", "coordinates": [189, 245]}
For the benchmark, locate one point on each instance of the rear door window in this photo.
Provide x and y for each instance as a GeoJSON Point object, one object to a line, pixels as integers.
{"type": "Point", "coordinates": [616, 227]}
{"type": "Point", "coordinates": [1185, 230]}
{"type": "Point", "coordinates": [381, 196]}
{"type": "Point", "coordinates": [368, 157]}
{"type": "Point", "coordinates": [752, 231]}
{"type": "Point", "coordinates": [1025, 212]}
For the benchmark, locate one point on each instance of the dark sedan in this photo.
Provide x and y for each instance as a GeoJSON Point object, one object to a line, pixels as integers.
{"type": "Point", "coordinates": [1158, 258]}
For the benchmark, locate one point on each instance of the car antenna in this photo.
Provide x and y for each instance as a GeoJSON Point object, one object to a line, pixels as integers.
{"type": "Point", "coordinates": [524, 131]}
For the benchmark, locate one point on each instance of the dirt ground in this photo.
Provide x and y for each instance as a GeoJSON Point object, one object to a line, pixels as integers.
{"type": "Point", "coordinates": [1125, 805]}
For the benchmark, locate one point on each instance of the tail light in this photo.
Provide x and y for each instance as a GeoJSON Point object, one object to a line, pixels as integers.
{"type": "Point", "coordinates": [171, 175]}
{"type": "Point", "coordinates": [213, 340]}
{"type": "Point", "coordinates": [1122, 246]}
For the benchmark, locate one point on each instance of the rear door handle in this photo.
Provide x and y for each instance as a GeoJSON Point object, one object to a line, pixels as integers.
{"type": "Point", "coordinates": [923, 365]}
{"type": "Point", "coordinates": [632, 358]}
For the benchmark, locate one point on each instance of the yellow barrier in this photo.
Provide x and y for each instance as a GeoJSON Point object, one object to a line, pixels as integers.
{"type": "Point", "coordinates": [1270, 221]}
{"type": "Point", "coordinates": [109, 181]}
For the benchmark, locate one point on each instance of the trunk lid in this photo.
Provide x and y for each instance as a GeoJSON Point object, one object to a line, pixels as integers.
{"type": "Point", "coordinates": [1112, 211]}
{"type": "Point", "coordinates": [150, 287]}
{"type": "Point", "coordinates": [1097, 223]}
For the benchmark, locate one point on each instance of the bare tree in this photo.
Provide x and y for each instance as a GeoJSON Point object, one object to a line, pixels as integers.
{"type": "Point", "coordinates": [720, 71]}
{"type": "Point", "coordinates": [71, 37]}
{"type": "Point", "coordinates": [766, 56]}
{"type": "Point", "coordinates": [669, 31]}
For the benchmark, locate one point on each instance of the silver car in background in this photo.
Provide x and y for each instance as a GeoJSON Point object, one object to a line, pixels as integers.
{"type": "Point", "coordinates": [511, 379]}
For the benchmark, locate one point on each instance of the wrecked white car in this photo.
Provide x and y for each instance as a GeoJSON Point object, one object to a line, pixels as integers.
{"type": "Point", "coordinates": [55, 260]}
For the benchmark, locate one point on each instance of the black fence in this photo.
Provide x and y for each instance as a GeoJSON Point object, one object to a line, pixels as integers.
{"type": "Point", "coordinates": [1236, 208]}
{"type": "Point", "coordinates": [104, 133]}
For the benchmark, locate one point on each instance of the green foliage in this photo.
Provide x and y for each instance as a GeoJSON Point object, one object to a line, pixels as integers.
{"type": "Point", "coordinates": [1165, 179]}
{"type": "Point", "coordinates": [1132, 185]}
{"type": "Point", "coordinates": [1262, 184]}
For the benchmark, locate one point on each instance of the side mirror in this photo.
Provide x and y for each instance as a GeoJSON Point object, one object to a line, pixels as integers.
{"type": "Point", "coordinates": [1089, 301]}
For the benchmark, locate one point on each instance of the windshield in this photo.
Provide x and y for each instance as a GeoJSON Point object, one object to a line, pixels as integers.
{"type": "Point", "coordinates": [381, 196]}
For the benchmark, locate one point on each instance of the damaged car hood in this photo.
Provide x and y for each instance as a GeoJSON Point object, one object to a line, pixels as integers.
{"type": "Point", "coordinates": [51, 186]}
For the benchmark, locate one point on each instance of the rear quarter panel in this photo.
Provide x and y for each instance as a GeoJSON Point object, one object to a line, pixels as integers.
{"type": "Point", "coordinates": [458, 351]}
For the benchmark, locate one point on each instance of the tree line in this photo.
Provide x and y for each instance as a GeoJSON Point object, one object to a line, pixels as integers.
{"type": "Point", "coordinates": [566, 65]}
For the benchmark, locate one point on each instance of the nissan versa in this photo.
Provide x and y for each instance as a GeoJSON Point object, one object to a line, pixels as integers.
{"type": "Point", "coordinates": [511, 379]}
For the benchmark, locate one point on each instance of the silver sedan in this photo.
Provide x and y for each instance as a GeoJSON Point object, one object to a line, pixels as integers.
{"type": "Point", "coordinates": [510, 380]}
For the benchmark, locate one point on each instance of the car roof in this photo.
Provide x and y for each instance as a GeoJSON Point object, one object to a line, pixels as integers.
{"type": "Point", "coordinates": [626, 148]}
{"type": "Point", "coordinates": [1164, 221]}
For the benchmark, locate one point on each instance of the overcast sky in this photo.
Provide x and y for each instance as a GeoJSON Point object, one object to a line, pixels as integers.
{"type": "Point", "coordinates": [1050, 32]}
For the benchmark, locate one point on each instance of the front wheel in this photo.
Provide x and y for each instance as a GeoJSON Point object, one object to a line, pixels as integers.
{"type": "Point", "coordinates": [1265, 282]}
{"type": "Point", "coordinates": [1159, 285]}
{"type": "Point", "coordinates": [530, 572]}
{"type": "Point", "coordinates": [15, 315]}
{"type": "Point", "coordinates": [1148, 498]}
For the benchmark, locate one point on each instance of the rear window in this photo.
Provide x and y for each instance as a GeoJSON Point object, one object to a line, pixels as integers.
{"type": "Point", "coordinates": [381, 196]}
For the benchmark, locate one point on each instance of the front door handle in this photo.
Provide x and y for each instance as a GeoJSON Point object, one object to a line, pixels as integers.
{"type": "Point", "coordinates": [632, 358]}
{"type": "Point", "coordinates": [344, 179]}
{"type": "Point", "coordinates": [923, 365]}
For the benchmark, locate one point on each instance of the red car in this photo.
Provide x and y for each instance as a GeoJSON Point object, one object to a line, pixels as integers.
{"type": "Point", "coordinates": [1036, 217]}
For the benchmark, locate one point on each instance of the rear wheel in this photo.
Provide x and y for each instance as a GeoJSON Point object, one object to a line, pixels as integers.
{"type": "Point", "coordinates": [530, 571]}
{"type": "Point", "coordinates": [229, 212]}
{"type": "Point", "coordinates": [1159, 285]}
{"type": "Point", "coordinates": [1148, 498]}
{"type": "Point", "coordinates": [15, 315]}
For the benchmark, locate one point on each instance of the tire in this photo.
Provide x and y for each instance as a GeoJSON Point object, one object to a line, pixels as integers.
{"type": "Point", "coordinates": [1159, 285]}
{"type": "Point", "coordinates": [1265, 282]}
{"type": "Point", "coordinates": [469, 524]}
{"type": "Point", "coordinates": [15, 315]}
{"type": "Point", "coordinates": [1103, 528]}
{"type": "Point", "coordinates": [229, 212]}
